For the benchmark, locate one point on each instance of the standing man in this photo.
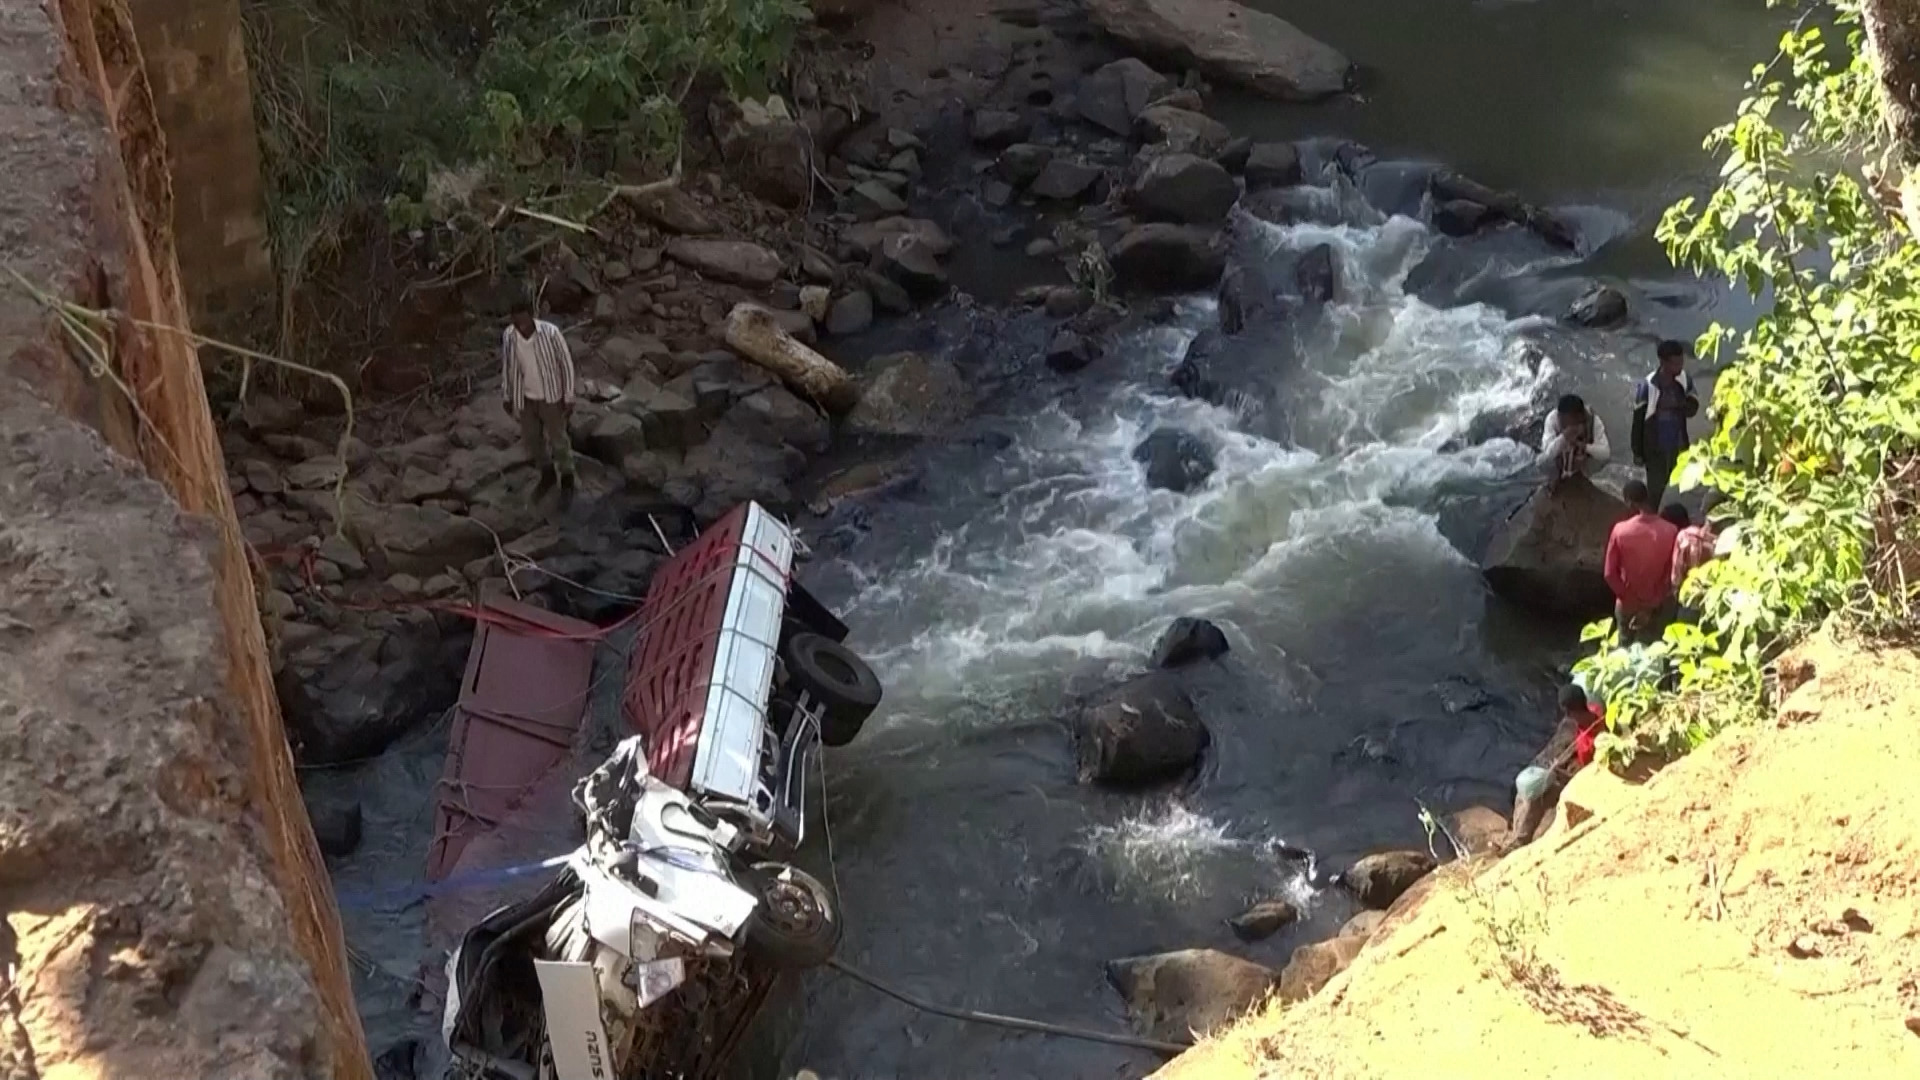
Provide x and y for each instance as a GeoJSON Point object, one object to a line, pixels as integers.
{"type": "Point", "coordinates": [1639, 568]}
{"type": "Point", "coordinates": [1663, 402]}
{"type": "Point", "coordinates": [1573, 442]}
{"type": "Point", "coordinates": [536, 381]}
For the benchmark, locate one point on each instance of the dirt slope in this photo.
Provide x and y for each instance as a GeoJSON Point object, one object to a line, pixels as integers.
{"type": "Point", "coordinates": [1752, 911]}
{"type": "Point", "coordinates": [163, 909]}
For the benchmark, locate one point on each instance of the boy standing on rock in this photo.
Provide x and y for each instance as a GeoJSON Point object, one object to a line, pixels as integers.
{"type": "Point", "coordinates": [536, 381]}
{"type": "Point", "coordinates": [1639, 568]}
{"type": "Point", "coordinates": [1663, 402]}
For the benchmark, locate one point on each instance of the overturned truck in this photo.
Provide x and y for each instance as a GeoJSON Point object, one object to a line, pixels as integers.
{"type": "Point", "coordinates": [648, 953]}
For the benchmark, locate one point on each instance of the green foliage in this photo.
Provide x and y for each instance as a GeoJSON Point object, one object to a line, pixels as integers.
{"type": "Point", "coordinates": [1818, 412]}
{"type": "Point", "coordinates": [362, 106]}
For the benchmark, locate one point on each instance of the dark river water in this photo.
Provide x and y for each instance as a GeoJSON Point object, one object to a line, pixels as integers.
{"type": "Point", "coordinates": [1371, 672]}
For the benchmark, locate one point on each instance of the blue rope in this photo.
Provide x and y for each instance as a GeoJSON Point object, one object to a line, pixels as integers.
{"type": "Point", "coordinates": [410, 894]}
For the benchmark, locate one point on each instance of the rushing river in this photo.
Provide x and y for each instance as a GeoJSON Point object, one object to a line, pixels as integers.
{"type": "Point", "coordinates": [1371, 673]}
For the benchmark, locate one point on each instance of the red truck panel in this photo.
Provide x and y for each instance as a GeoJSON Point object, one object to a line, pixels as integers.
{"type": "Point", "coordinates": [673, 653]}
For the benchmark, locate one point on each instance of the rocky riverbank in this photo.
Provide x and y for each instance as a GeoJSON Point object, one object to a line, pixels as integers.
{"type": "Point", "coordinates": [1042, 170]}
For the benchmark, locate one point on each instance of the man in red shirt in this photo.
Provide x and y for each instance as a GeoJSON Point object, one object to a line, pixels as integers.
{"type": "Point", "coordinates": [1537, 789]}
{"type": "Point", "coordinates": [1639, 568]}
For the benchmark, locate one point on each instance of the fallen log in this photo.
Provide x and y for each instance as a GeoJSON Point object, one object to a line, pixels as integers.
{"type": "Point", "coordinates": [754, 333]}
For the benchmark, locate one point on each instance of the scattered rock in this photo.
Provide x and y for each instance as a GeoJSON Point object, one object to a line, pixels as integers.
{"type": "Point", "coordinates": [1021, 163]}
{"type": "Point", "coordinates": [1186, 189]}
{"type": "Point", "coordinates": [1064, 179]}
{"type": "Point", "coordinates": [1114, 95]}
{"type": "Point", "coordinates": [908, 259]}
{"type": "Point", "coordinates": [1549, 554]}
{"type": "Point", "coordinates": [1189, 640]}
{"type": "Point", "coordinates": [1173, 995]}
{"type": "Point", "coordinates": [1378, 880]}
{"type": "Point", "coordinates": [816, 301]}
{"type": "Point", "coordinates": [1806, 947]}
{"type": "Point", "coordinates": [782, 418]}
{"type": "Point", "coordinates": [889, 294]}
{"type": "Point", "coordinates": [1477, 828]}
{"type": "Point", "coordinates": [1461, 217]}
{"type": "Point", "coordinates": [995, 128]}
{"type": "Point", "coordinates": [851, 313]}
{"type": "Point", "coordinates": [1273, 164]}
{"type": "Point", "coordinates": [1182, 131]}
{"type": "Point", "coordinates": [1316, 275]}
{"type": "Point", "coordinates": [910, 394]}
{"type": "Point", "coordinates": [1143, 730]}
{"type": "Point", "coordinates": [1314, 966]}
{"type": "Point", "coordinates": [1160, 257]}
{"type": "Point", "coordinates": [1601, 307]}
{"type": "Point", "coordinates": [669, 419]}
{"type": "Point", "coordinates": [1239, 44]}
{"type": "Point", "coordinates": [869, 237]}
{"type": "Point", "coordinates": [1235, 155]}
{"type": "Point", "coordinates": [626, 354]}
{"type": "Point", "coordinates": [765, 148]}
{"type": "Point", "coordinates": [1263, 920]}
{"type": "Point", "coordinates": [873, 199]}
{"type": "Point", "coordinates": [1448, 187]}
{"type": "Point", "coordinates": [1175, 460]}
{"type": "Point", "coordinates": [741, 262]}
{"type": "Point", "coordinates": [1362, 925]}
{"type": "Point", "coordinates": [815, 264]}
{"type": "Point", "coordinates": [673, 209]}
{"type": "Point", "coordinates": [349, 694]}
{"type": "Point", "coordinates": [1068, 352]}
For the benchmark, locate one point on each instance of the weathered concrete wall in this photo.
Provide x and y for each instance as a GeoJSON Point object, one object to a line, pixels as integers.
{"type": "Point", "coordinates": [164, 911]}
{"type": "Point", "coordinates": [197, 63]}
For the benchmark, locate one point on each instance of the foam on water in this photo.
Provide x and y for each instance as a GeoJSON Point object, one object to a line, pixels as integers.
{"type": "Point", "coordinates": [1170, 852]}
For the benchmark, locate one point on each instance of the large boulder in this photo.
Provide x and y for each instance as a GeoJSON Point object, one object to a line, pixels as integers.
{"type": "Point", "coordinates": [914, 262]}
{"type": "Point", "coordinates": [1378, 880]}
{"type": "Point", "coordinates": [349, 694]}
{"type": "Point", "coordinates": [1065, 178]}
{"type": "Point", "coordinates": [775, 414]}
{"type": "Point", "coordinates": [1175, 460]}
{"type": "Point", "coordinates": [741, 262]}
{"type": "Point", "coordinates": [1143, 730]}
{"type": "Point", "coordinates": [1477, 829]}
{"type": "Point", "coordinates": [1549, 555]}
{"type": "Point", "coordinates": [1455, 196]}
{"type": "Point", "coordinates": [1263, 920]}
{"type": "Point", "coordinates": [1184, 188]}
{"type": "Point", "coordinates": [1189, 640]}
{"type": "Point", "coordinates": [765, 148]}
{"type": "Point", "coordinates": [418, 540]}
{"type": "Point", "coordinates": [1314, 966]}
{"type": "Point", "coordinates": [1272, 164]}
{"type": "Point", "coordinates": [1600, 307]}
{"type": "Point", "coordinates": [1173, 995]}
{"type": "Point", "coordinates": [1160, 257]}
{"type": "Point", "coordinates": [1114, 95]}
{"type": "Point", "coordinates": [1261, 52]}
{"type": "Point", "coordinates": [910, 394]}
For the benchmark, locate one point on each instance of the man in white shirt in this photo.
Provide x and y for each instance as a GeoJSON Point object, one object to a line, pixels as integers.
{"type": "Point", "coordinates": [536, 382]}
{"type": "Point", "coordinates": [1574, 442]}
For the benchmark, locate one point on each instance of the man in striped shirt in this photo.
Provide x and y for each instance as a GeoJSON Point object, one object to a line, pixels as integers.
{"type": "Point", "coordinates": [536, 381]}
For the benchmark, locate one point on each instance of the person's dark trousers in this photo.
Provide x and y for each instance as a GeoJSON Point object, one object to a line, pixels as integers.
{"type": "Point", "coordinates": [1641, 628]}
{"type": "Point", "coordinates": [1659, 461]}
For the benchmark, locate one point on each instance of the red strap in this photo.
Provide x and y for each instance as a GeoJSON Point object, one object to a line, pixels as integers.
{"type": "Point", "coordinates": [1583, 740]}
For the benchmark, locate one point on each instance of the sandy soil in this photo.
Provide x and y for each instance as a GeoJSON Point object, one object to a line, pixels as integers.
{"type": "Point", "coordinates": [1752, 911]}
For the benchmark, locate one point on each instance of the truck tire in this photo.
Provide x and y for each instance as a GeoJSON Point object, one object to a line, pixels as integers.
{"type": "Point", "coordinates": [846, 687]}
{"type": "Point", "coordinates": [795, 925]}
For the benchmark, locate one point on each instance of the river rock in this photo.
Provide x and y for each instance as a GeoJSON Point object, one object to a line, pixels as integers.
{"type": "Point", "coordinates": [672, 208]}
{"type": "Point", "coordinates": [1447, 187]}
{"type": "Point", "coordinates": [1186, 189]}
{"type": "Point", "coordinates": [1189, 640]}
{"type": "Point", "coordinates": [870, 236]}
{"type": "Point", "coordinates": [995, 128]}
{"type": "Point", "coordinates": [1021, 163]}
{"type": "Point", "coordinates": [888, 294]}
{"type": "Point", "coordinates": [1175, 460]}
{"type": "Point", "coordinates": [1549, 555]}
{"type": "Point", "coordinates": [1114, 95]}
{"type": "Point", "coordinates": [1172, 995]}
{"type": "Point", "coordinates": [1065, 179]}
{"type": "Point", "coordinates": [419, 540]}
{"type": "Point", "coordinates": [766, 149]}
{"type": "Point", "coordinates": [910, 394]}
{"type": "Point", "coordinates": [627, 354]}
{"type": "Point", "coordinates": [615, 435]}
{"type": "Point", "coordinates": [1068, 352]}
{"type": "Point", "coordinates": [1362, 925]}
{"type": "Point", "coordinates": [1143, 730]}
{"type": "Point", "coordinates": [1378, 880]}
{"type": "Point", "coordinates": [1477, 828]}
{"type": "Point", "coordinates": [741, 262]}
{"type": "Point", "coordinates": [1461, 217]}
{"type": "Point", "coordinates": [1314, 966]}
{"type": "Point", "coordinates": [1242, 45]}
{"type": "Point", "coordinates": [1316, 274]}
{"type": "Point", "coordinates": [871, 199]}
{"type": "Point", "coordinates": [349, 694]}
{"type": "Point", "coordinates": [1160, 257]}
{"type": "Point", "coordinates": [1182, 131]}
{"type": "Point", "coordinates": [777, 415]}
{"type": "Point", "coordinates": [851, 313]}
{"type": "Point", "coordinates": [1263, 920]}
{"type": "Point", "coordinates": [1273, 164]}
{"type": "Point", "coordinates": [915, 264]}
{"type": "Point", "coordinates": [1601, 307]}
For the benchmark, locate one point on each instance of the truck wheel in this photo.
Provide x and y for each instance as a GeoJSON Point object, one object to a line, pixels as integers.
{"type": "Point", "coordinates": [844, 684]}
{"type": "Point", "coordinates": [795, 925]}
